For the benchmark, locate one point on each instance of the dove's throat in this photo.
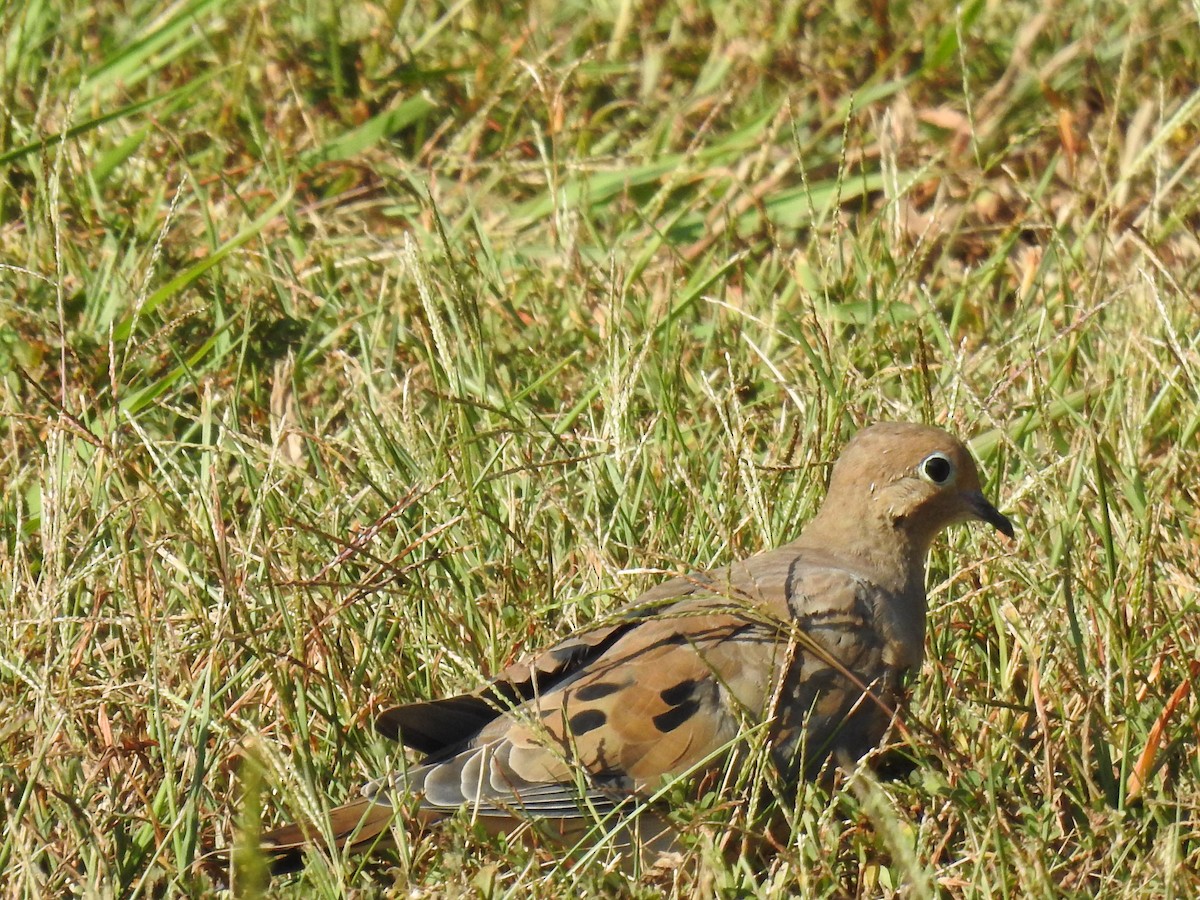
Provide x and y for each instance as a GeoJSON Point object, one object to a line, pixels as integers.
{"type": "Point", "coordinates": [889, 556]}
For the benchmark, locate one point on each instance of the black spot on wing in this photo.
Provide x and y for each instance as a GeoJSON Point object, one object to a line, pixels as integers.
{"type": "Point", "coordinates": [597, 689]}
{"type": "Point", "coordinates": [681, 697]}
{"type": "Point", "coordinates": [588, 720]}
{"type": "Point", "coordinates": [673, 718]}
{"type": "Point", "coordinates": [675, 639]}
{"type": "Point", "coordinates": [677, 694]}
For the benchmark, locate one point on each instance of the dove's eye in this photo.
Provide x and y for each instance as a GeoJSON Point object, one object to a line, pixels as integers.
{"type": "Point", "coordinates": [937, 468]}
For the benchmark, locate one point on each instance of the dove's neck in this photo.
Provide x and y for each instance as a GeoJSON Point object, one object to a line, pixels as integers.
{"type": "Point", "coordinates": [889, 556]}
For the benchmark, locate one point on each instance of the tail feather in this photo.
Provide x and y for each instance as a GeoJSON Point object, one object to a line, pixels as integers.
{"type": "Point", "coordinates": [353, 825]}
{"type": "Point", "coordinates": [364, 823]}
{"type": "Point", "coordinates": [349, 825]}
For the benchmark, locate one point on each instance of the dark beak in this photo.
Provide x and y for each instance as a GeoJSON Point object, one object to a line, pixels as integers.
{"type": "Point", "coordinates": [983, 510]}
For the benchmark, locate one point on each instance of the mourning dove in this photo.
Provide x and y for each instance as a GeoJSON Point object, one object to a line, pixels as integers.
{"type": "Point", "coordinates": [809, 642]}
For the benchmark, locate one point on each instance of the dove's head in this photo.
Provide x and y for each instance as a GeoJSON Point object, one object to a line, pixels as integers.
{"type": "Point", "coordinates": [910, 478]}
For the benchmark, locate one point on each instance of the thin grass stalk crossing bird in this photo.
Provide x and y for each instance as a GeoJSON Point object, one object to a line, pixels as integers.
{"type": "Point", "coordinates": [807, 644]}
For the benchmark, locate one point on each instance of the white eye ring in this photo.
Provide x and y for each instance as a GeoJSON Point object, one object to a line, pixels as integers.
{"type": "Point", "coordinates": [937, 468]}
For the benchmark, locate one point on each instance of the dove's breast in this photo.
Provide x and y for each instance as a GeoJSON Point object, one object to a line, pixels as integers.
{"type": "Point", "coordinates": [854, 643]}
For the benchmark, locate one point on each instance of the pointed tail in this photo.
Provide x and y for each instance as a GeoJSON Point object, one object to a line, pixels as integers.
{"type": "Point", "coordinates": [353, 825]}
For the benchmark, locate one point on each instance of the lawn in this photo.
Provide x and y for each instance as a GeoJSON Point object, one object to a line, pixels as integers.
{"type": "Point", "coordinates": [349, 350]}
